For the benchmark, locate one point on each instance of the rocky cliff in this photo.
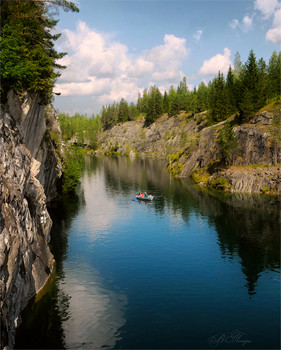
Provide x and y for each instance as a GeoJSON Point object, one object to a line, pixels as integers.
{"type": "Point", "coordinates": [189, 144]}
{"type": "Point", "coordinates": [29, 171]}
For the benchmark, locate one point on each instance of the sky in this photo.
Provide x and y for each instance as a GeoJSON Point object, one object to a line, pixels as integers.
{"type": "Point", "coordinates": [117, 48]}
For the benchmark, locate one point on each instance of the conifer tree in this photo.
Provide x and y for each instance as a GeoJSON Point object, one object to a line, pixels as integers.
{"type": "Point", "coordinates": [28, 57]}
{"type": "Point", "coordinates": [218, 99]}
{"type": "Point", "coordinates": [274, 73]}
{"type": "Point", "coordinates": [262, 83]}
{"type": "Point", "coordinates": [165, 102]}
{"type": "Point", "coordinates": [133, 111]}
{"type": "Point", "coordinates": [123, 111]}
{"type": "Point", "coordinates": [182, 92]}
{"type": "Point", "coordinates": [202, 97]}
{"type": "Point", "coordinates": [155, 107]}
{"type": "Point", "coordinates": [250, 87]}
{"type": "Point", "coordinates": [231, 90]}
{"type": "Point", "coordinates": [174, 105]}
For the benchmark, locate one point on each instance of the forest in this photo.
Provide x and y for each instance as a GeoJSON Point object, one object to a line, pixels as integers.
{"type": "Point", "coordinates": [245, 89]}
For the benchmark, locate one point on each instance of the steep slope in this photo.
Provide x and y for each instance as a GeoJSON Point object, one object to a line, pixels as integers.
{"type": "Point", "coordinates": [190, 145]}
{"type": "Point", "coordinates": [29, 171]}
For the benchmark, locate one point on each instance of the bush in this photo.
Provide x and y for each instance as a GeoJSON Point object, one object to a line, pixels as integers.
{"type": "Point", "coordinates": [219, 183]}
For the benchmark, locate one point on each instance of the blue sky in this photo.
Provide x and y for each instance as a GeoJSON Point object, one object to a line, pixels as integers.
{"type": "Point", "coordinates": [118, 48]}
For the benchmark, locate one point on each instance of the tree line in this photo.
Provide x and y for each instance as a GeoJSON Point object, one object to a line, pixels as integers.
{"type": "Point", "coordinates": [82, 130]}
{"type": "Point", "coordinates": [245, 89]}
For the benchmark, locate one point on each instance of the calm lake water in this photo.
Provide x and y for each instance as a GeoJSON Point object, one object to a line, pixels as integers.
{"type": "Point", "coordinates": [190, 270]}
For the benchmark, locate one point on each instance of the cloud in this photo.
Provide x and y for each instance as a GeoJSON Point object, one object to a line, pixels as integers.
{"type": "Point", "coordinates": [234, 23]}
{"type": "Point", "coordinates": [103, 68]}
{"type": "Point", "coordinates": [267, 7]}
{"type": "Point", "coordinates": [217, 63]}
{"type": "Point", "coordinates": [197, 35]}
{"type": "Point", "coordinates": [274, 34]}
{"type": "Point", "coordinates": [168, 58]}
{"type": "Point", "coordinates": [270, 8]}
{"type": "Point", "coordinates": [247, 23]}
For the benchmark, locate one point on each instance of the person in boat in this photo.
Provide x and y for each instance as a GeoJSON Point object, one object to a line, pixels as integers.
{"type": "Point", "coordinates": [145, 194]}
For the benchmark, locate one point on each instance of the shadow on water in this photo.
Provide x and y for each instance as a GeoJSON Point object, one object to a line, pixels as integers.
{"type": "Point", "coordinates": [247, 225]}
{"type": "Point", "coordinates": [42, 319]}
{"type": "Point", "coordinates": [246, 229]}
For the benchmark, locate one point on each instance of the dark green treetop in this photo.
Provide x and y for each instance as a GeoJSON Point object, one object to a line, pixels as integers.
{"type": "Point", "coordinates": [28, 56]}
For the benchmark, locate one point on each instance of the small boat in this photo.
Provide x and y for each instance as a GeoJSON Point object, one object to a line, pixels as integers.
{"type": "Point", "coordinates": [144, 198]}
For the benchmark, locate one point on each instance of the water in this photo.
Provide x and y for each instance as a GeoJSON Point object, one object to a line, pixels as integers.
{"type": "Point", "coordinates": [190, 270]}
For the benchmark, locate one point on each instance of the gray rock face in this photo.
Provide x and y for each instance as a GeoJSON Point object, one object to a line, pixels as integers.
{"type": "Point", "coordinates": [198, 147]}
{"type": "Point", "coordinates": [29, 168]}
{"type": "Point", "coordinates": [38, 125]}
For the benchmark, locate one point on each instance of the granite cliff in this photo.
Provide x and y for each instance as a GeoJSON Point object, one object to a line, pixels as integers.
{"type": "Point", "coordinates": [30, 169]}
{"type": "Point", "coordinates": [191, 146]}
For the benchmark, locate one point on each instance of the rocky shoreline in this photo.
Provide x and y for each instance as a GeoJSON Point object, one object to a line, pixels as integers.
{"type": "Point", "coordinates": [189, 145]}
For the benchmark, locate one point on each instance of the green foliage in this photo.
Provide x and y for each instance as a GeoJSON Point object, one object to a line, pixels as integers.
{"type": "Point", "coordinates": [200, 176]}
{"type": "Point", "coordinates": [73, 169]}
{"type": "Point", "coordinates": [219, 102]}
{"type": "Point", "coordinates": [123, 111]}
{"type": "Point", "coordinates": [174, 102]}
{"type": "Point", "coordinates": [228, 144]}
{"type": "Point", "coordinates": [174, 167]}
{"type": "Point", "coordinates": [244, 91]}
{"type": "Point", "coordinates": [84, 130]}
{"type": "Point", "coordinates": [154, 105]}
{"type": "Point", "coordinates": [273, 70]}
{"type": "Point", "coordinates": [28, 57]}
{"type": "Point", "coordinates": [166, 102]}
{"type": "Point", "coordinates": [218, 182]}
{"type": "Point", "coordinates": [118, 113]}
{"type": "Point", "coordinates": [113, 150]}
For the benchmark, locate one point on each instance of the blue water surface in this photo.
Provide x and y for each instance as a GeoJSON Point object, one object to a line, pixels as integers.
{"type": "Point", "coordinates": [189, 270]}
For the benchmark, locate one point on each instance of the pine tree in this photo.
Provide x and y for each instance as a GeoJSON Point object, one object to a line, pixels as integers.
{"type": "Point", "coordinates": [133, 111]}
{"type": "Point", "coordinates": [231, 90]}
{"type": "Point", "coordinates": [250, 85]}
{"type": "Point", "coordinates": [28, 57]}
{"type": "Point", "coordinates": [262, 83]}
{"type": "Point", "coordinates": [218, 99]}
{"type": "Point", "coordinates": [123, 111]}
{"type": "Point", "coordinates": [202, 97]}
{"type": "Point", "coordinates": [155, 107]}
{"type": "Point", "coordinates": [165, 102]}
{"type": "Point", "coordinates": [182, 92]}
{"type": "Point", "coordinates": [174, 104]}
{"type": "Point", "coordinates": [274, 73]}
{"type": "Point", "coordinates": [246, 106]}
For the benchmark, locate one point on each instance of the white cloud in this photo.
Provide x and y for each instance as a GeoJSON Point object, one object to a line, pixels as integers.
{"type": "Point", "coordinates": [100, 67]}
{"type": "Point", "coordinates": [274, 34]}
{"type": "Point", "coordinates": [168, 58]}
{"type": "Point", "coordinates": [247, 23]}
{"type": "Point", "coordinates": [197, 35]}
{"type": "Point", "coordinates": [267, 7]}
{"type": "Point", "coordinates": [141, 67]}
{"type": "Point", "coordinates": [234, 23]}
{"type": "Point", "coordinates": [217, 63]}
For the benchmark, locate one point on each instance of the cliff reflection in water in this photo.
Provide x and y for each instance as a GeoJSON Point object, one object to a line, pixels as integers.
{"type": "Point", "coordinates": [147, 275]}
{"type": "Point", "coordinates": [42, 326]}
{"type": "Point", "coordinates": [247, 225]}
